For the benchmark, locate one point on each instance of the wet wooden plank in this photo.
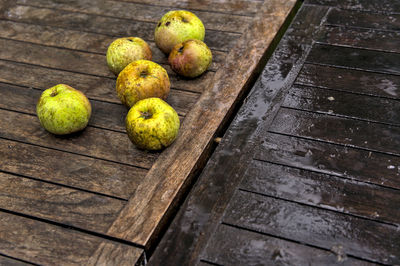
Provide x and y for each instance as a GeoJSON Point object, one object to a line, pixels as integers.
{"type": "Point", "coordinates": [12, 262]}
{"type": "Point", "coordinates": [56, 203]}
{"type": "Point", "coordinates": [324, 191]}
{"type": "Point", "coordinates": [347, 80]}
{"type": "Point", "coordinates": [339, 130]}
{"type": "Point", "coordinates": [69, 169]}
{"type": "Point", "coordinates": [111, 26]}
{"type": "Point", "coordinates": [94, 142]}
{"type": "Point", "coordinates": [364, 20]}
{"type": "Point", "coordinates": [387, 6]}
{"type": "Point", "coordinates": [47, 244]}
{"type": "Point", "coordinates": [375, 168]}
{"type": "Point", "coordinates": [329, 230]}
{"type": "Point", "coordinates": [353, 58]}
{"type": "Point", "coordinates": [138, 12]}
{"type": "Point", "coordinates": [344, 104]}
{"type": "Point", "coordinates": [234, 246]}
{"type": "Point", "coordinates": [361, 38]}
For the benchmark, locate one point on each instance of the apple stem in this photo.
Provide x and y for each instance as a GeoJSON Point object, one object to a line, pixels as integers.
{"type": "Point", "coordinates": [146, 115]}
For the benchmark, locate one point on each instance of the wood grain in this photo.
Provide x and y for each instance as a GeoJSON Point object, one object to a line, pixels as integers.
{"type": "Point", "coordinates": [387, 6]}
{"type": "Point", "coordinates": [12, 262]}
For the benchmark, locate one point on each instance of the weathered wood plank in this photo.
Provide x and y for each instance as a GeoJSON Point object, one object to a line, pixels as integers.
{"type": "Point", "coordinates": [69, 169]}
{"type": "Point", "coordinates": [364, 20]}
{"type": "Point", "coordinates": [350, 163]}
{"type": "Point", "coordinates": [233, 246]}
{"type": "Point", "coordinates": [138, 12]}
{"type": "Point", "coordinates": [116, 255]}
{"type": "Point", "coordinates": [343, 104]}
{"type": "Point", "coordinates": [355, 58]}
{"type": "Point", "coordinates": [56, 203]}
{"type": "Point", "coordinates": [329, 230]}
{"type": "Point", "coordinates": [347, 80]}
{"type": "Point", "coordinates": [361, 38]}
{"type": "Point", "coordinates": [12, 262]}
{"type": "Point", "coordinates": [387, 6]}
{"type": "Point", "coordinates": [339, 130]}
{"type": "Point", "coordinates": [324, 191]}
{"type": "Point", "coordinates": [95, 142]}
{"type": "Point", "coordinates": [111, 26]}
{"type": "Point", "coordinates": [46, 244]}
{"type": "Point", "coordinates": [176, 166]}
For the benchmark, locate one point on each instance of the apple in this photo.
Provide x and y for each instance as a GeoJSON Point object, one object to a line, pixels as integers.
{"type": "Point", "coordinates": [152, 124]}
{"type": "Point", "coordinates": [177, 26]}
{"type": "Point", "coordinates": [63, 110]}
{"type": "Point", "coordinates": [190, 58]}
{"type": "Point", "coordinates": [125, 50]}
{"type": "Point", "coordinates": [142, 79]}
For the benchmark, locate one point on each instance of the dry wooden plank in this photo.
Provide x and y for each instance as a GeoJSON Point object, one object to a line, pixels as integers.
{"type": "Point", "coordinates": [95, 142]}
{"type": "Point", "coordinates": [98, 88]}
{"type": "Point", "coordinates": [353, 58]}
{"type": "Point", "coordinates": [343, 104]}
{"type": "Point", "coordinates": [350, 163]}
{"type": "Point", "coordinates": [361, 38]}
{"type": "Point", "coordinates": [56, 203]}
{"type": "Point", "coordinates": [47, 244]}
{"type": "Point", "coordinates": [111, 26]}
{"type": "Point", "coordinates": [116, 255]}
{"type": "Point", "coordinates": [234, 246]}
{"type": "Point", "coordinates": [78, 40]}
{"type": "Point", "coordinates": [137, 12]}
{"type": "Point", "coordinates": [324, 191]}
{"type": "Point", "coordinates": [70, 170]}
{"type": "Point", "coordinates": [387, 6]}
{"type": "Point", "coordinates": [339, 130]}
{"type": "Point", "coordinates": [12, 262]}
{"type": "Point", "coordinates": [139, 223]}
{"type": "Point", "coordinates": [346, 80]}
{"type": "Point", "coordinates": [368, 20]}
{"type": "Point", "coordinates": [342, 233]}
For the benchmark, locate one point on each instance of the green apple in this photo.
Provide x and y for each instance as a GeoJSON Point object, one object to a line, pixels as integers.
{"type": "Point", "coordinates": [190, 58]}
{"type": "Point", "coordinates": [152, 124]}
{"type": "Point", "coordinates": [125, 50]}
{"type": "Point", "coordinates": [142, 79]}
{"type": "Point", "coordinates": [177, 26]}
{"type": "Point", "coordinates": [63, 110]}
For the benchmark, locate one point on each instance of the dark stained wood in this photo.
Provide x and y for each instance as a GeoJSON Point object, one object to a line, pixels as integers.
{"type": "Point", "coordinates": [387, 6]}
{"type": "Point", "coordinates": [56, 203]}
{"type": "Point", "coordinates": [176, 165]}
{"type": "Point", "coordinates": [350, 163]}
{"type": "Point", "coordinates": [69, 169]}
{"type": "Point", "coordinates": [324, 191]}
{"type": "Point", "coordinates": [364, 20]}
{"type": "Point", "coordinates": [339, 130]}
{"type": "Point", "coordinates": [137, 12]}
{"type": "Point", "coordinates": [111, 26]}
{"type": "Point", "coordinates": [233, 246]}
{"type": "Point", "coordinates": [330, 230]}
{"type": "Point", "coordinates": [355, 58]}
{"type": "Point", "coordinates": [344, 104]}
{"type": "Point", "coordinates": [47, 244]}
{"type": "Point", "coordinates": [361, 38]}
{"type": "Point", "coordinates": [95, 142]}
{"type": "Point", "coordinates": [347, 80]}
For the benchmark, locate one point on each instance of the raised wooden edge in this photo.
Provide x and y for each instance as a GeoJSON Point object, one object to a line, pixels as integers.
{"type": "Point", "coordinates": [148, 209]}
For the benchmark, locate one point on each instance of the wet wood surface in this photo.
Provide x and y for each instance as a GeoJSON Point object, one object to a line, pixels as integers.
{"type": "Point", "coordinates": [308, 171]}
{"type": "Point", "coordinates": [92, 198]}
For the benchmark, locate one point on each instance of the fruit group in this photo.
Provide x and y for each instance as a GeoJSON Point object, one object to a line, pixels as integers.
{"type": "Point", "coordinates": [177, 26]}
{"type": "Point", "coordinates": [63, 110]}
{"type": "Point", "coordinates": [140, 80]}
{"type": "Point", "coordinates": [152, 124]}
{"type": "Point", "coordinates": [123, 51]}
{"type": "Point", "coordinates": [190, 58]}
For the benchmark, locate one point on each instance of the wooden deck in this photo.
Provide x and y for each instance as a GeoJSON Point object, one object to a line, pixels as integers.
{"type": "Point", "coordinates": [92, 197]}
{"type": "Point", "coordinates": [308, 172]}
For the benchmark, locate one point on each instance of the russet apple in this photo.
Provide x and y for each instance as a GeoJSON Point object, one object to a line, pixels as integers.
{"type": "Point", "coordinates": [177, 26]}
{"type": "Point", "coordinates": [152, 124]}
{"type": "Point", "coordinates": [125, 50]}
{"type": "Point", "coordinates": [63, 110]}
{"type": "Point", "coordinates": [190, 58]}
{"type": "Point", "coordinates": [142, 79]}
